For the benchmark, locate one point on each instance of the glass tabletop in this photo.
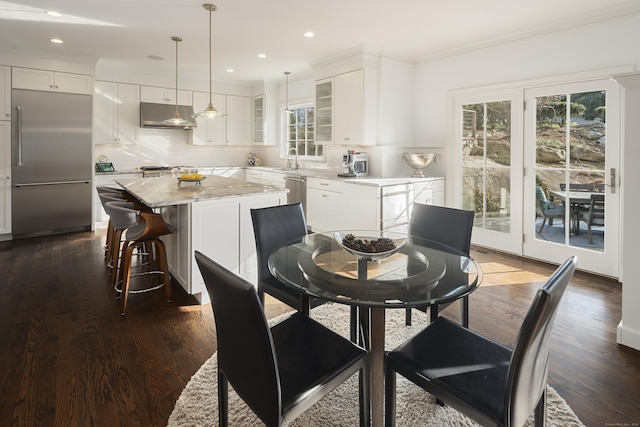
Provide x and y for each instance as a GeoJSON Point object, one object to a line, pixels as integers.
{"type": "Point", "coordinates": [415, 273]}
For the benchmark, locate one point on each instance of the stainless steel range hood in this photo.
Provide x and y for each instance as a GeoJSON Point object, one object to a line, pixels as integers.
{"type": "Point", "coordinates": [152, 115]}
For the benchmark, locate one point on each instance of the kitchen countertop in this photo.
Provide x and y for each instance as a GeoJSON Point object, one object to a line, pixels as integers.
{"type": "Point", "coordinates": [165, 191]}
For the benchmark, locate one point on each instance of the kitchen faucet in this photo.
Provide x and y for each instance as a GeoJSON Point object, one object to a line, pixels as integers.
{"type": "Point", "coordinates": [295, 150]}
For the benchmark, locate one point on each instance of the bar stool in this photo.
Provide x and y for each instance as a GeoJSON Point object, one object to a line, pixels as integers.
{"type": "Point", "coordinates": [142, 231]}
{"type": "Point", "coordinates": [109, 196]}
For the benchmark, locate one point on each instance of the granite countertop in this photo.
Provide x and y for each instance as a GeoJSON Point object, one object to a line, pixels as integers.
{"type": "Point", "coordinates": [167, 191]}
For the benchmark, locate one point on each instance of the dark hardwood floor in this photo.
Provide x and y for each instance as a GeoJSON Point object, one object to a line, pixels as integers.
{"type": "Point", "coordinates": [69, 358]}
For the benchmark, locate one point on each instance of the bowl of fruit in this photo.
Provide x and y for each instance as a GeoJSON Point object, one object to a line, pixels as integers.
{"type": "Point", "coordinates": [191, 177]}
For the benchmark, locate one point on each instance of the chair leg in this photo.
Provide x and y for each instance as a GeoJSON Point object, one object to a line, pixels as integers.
{"type": "Point", "coordinates": [161, 256]}
{"type": "Point", "coordinates": [407, 317]}
{"type": "Point", "coordinates": [464, 311]}
{"type": "Point", "coordinates": [353, 324]}
{"type": "Point", "coordinates": [590, 236]}
{"type": "Point", "coordinates": [365, 394]}
{"type": "Point", "coordinates": [126, 275]}
{"type": "Point", "coordinates": [389, 398]}
{"type": "Point", "coordinates": [540, 413]}
{"type": "Point", "coordinates": [223, 400]}
{"type": "Point", "coordinates": [433, 313]}
{"type": "Point", "coordinates": [544, 219]}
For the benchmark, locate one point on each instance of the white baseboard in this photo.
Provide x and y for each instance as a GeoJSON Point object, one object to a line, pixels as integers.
{"type": "Point", "coordinates": [628, 336]}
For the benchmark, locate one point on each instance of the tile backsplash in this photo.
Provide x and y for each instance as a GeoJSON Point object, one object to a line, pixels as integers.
{"type": "Point", "coordinates": [172, 148]}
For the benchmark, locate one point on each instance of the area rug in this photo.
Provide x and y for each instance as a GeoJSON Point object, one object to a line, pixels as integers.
{"type": "Point", "coordinates": [198, 403]}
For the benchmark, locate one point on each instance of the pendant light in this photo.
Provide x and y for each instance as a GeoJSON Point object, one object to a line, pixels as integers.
{"type": "Point", "coordinates": [176, 119]}
{"type": "Point", "coordinates": [286, 88]}
{"type": "Point", "coordinates": [210, 112]}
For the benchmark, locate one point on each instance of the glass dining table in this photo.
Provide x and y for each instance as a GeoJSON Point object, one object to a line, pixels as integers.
{"type": "Point", "coordinates": [416, 273]}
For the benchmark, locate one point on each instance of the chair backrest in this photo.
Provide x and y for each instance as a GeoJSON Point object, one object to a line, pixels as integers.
{"type": "Point", "coordinates": [274, 226]}
{"type": "Point", "coordinates": [577, 187]}
{"type": "Point", "coordinates": [122, 214]}
{"type": "Point", "coordinates": [445, 228]}
{"type": "Point", "coordinates": [245, 346]}
{"type": "Point", "coordinates": [528, 368]}
{"type": "Point", "coordinates": [596, 209]}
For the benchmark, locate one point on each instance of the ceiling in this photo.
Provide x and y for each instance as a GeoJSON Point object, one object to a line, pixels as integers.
{"type": "Point", "coordinates": [121, 34]}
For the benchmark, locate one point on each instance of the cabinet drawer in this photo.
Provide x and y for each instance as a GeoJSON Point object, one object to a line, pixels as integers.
{"type": "Point", "coordinates": [326, 184]}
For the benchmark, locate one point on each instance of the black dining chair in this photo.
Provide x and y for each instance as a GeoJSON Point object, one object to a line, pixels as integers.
{"type": "Point", "coordinates": [484, 380]}
{"type": "Point", "coordinates": [445, 229]}
{"type": "Point", "coordinates": [280, 371]}
{"type": "Point", "coordinates": [274, 226]}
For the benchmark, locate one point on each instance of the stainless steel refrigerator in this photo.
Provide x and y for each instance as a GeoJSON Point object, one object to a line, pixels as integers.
{"type": "Point", "coordinates": [51, 165]}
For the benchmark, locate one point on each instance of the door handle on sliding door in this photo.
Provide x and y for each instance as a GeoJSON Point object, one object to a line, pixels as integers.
{"type": "Point", "coordinates": [613, 180]}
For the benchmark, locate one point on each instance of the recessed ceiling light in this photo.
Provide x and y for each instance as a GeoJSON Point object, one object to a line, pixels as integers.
{"type": "Point", "coordinates": [230, 70]}
{"type": "Point", "coordinates": [53, 13]}
{"type": "Point", "coordinates": [155, 57]}
{"type": "Point", "coordinates": [262, 55]}
{"type": "Point", "coordinates": [56, 41]}
{"type": "Point", "coordinates": [309, 34]}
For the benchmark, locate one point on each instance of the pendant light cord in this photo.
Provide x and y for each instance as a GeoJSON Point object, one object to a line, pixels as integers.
{"type": "Point", "coordinates": [210, 62]}
{"type": "Point", "coordinates": [177, 40]}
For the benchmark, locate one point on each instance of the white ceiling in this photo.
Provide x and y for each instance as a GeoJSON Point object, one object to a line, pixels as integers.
{"type": "Point", "coordinates": [120, 34]}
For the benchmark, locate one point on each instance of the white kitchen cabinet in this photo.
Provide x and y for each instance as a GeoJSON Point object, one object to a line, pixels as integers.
{"type": "Point", "coordinates": [5, 93]}
{"type": "Point", "coordinates": [387, 206]}
{"type": "Point", "coordinates": [325, 204]}
{"type": "Point", "coordinates": [429, 192]}
{"type": "Point", "coordinates": [265, 177]}
{"type": "Point", "coordinates": [209, 131]}
{"type": "Point", "coordinates": [259, 120]}
{"type": "Point", "coordinates": [51, 81]}
{"type": "Point", "coordinates": [346, 109]}
{"type": "Point", "coordinates": [116, 113]}
{"type": "Point", "coordinates": [161, 95]}
{"type": "Point", "coordinates": [362, 207]}
{"type": "Point", "coordinates": [228, 240]}
{"type": "Point", "coordinates": [238, 120]}
{"type": "Point", "coordinates": [324, 111]}
{"type": "Point", "coordinates": [5, 177]}
{"type": "Point", "coordinates": [252, 175]}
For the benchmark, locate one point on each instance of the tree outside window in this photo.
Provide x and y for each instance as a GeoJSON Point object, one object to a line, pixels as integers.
{"type": "Point", "coordinates": [299, 133]}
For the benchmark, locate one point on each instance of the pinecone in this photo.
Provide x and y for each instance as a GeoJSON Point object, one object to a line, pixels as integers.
{"type": "Point", "coordinates": [382, 244]}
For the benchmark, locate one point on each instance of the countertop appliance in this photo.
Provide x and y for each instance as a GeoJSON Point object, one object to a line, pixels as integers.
{"type": "Point", "coordinates": [51, 163]}
{"type": "Point", "coordinates": [354, 165]}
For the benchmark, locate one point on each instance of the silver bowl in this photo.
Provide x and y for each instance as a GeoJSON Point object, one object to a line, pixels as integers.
{"type": "Point", "coordinates": [418, 161]}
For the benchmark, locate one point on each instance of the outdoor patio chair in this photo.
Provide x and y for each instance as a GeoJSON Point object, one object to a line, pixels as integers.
{"type": "Point", "coordinates": [594, 215]}
{"type": "Point", "coordinates": [547, 210]}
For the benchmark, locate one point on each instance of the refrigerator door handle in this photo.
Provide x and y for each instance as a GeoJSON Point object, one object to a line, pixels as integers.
{"type": "Point", "coordinates": [19, 114]}
{"type": "Point", "coordinates": [33, 184]}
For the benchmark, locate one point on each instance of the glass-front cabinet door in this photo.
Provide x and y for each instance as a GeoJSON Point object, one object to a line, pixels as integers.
{"type": "Point", "coordinates": [259, 118]}
{"type": "Point", "coordinates": [324, 111]}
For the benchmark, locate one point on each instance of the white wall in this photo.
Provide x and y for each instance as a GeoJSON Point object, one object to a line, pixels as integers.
{"type": "Point", "coordinates": [589, 48]}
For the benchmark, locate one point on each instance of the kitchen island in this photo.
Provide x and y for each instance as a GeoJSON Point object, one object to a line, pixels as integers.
{"type": "Point", "coordinates": [211, 216]}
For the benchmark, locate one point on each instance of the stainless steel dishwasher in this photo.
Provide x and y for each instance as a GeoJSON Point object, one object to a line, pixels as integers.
{"type": "Point", "coordinates": [297, 186]}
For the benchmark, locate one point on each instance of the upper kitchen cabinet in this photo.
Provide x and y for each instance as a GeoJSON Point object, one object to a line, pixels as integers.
{"type": "Point", "coordinates": [160, 95]}
{"type": "Point", "coordinates": [51, 81]}
{"type": "Point", "coordinates": [209, 131]}
{"type": "Point", "coordinates": [259, 120]}
{"type": "Point", "coordinates": [116, 113]}
{"type": "Point", "coordinates": [5, 93]}
{"type": "Point", "coordinates": [5, 177]}
{"type": "Point", "coordinates": [238, 120]}
{"type": "Point", "coordinates": [346, 109]}
{"type": "Point", "coordinates": [324, 111]}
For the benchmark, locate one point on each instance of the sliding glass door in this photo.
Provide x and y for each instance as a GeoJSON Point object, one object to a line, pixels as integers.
{"type": "Point", "coordinates": [488, 132]}
{"type": "Point", "coordinates": [571, 163]}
